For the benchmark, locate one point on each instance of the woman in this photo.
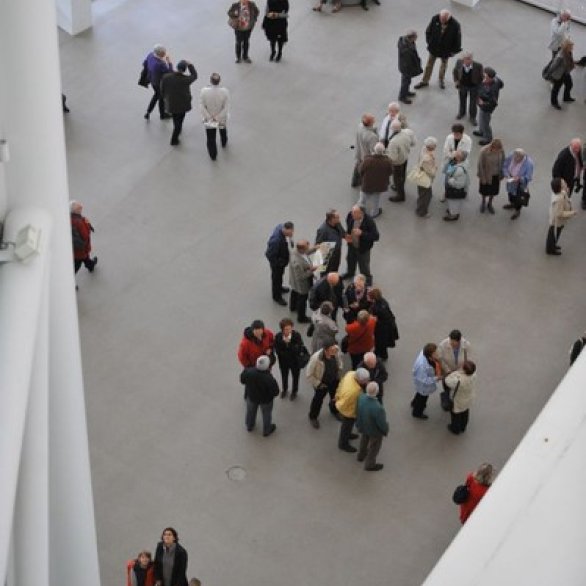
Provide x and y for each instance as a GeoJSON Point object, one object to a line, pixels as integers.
{"type": "Point", "coordinates": [141, 571]}
{"type": "Point", "coordinates": [360, 337]}
{"type": "Point", "coordinates": [242, 17]}
{"type": "Point", "coordinates": [426, 372]}
{"type": "Point", "coordinates": [490, 173]}
{"type": "Point", "coordinates": [518, 173]}
{"type": "Point", "coordinates": [559, 72]}
{"type": "Point", "coordinates": [355, 298]}
{"type": "Point", "coordinates": [288, 344]}
{"type": "Point", "coordinates": [275, 26]}
{"type": "Point", "coordinates": [559, 211]}
{"type": "Point", "coordinates": [324, 327]}
{"type": "Point", "coordinates": [477, 483]}
{"type": "Point", "coordinates": [385, 332]}
{"type": "Point", "coordinates": [457, 181]}
{"type": "Point", "coordinates": [460, 384]}
{"type": "Point", "coordinates": [170, 560]}
{"type": "Point", "coordinates": [428, 164]}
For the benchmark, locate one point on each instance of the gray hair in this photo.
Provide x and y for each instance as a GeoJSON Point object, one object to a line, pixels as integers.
{"type": "Point", "coordinates": [215, 78]}
{"type": "Point", "coordinates": [394, 106]}
{"type": "Point", "coordinates": [467, 55]}
{"type": "Point", "coordinates": [379, 148]}
{"type": "Point", "coordinates": [75, 207]}
{"type": "Point", "coordinates": [396, 124]}
{"type": "Point", "coordinates": [430, 142]}
{"type": "Point", "coordinates": [463, 154]}
{"type": "Point", "coordinates": [359, 277]}
{"type": "Point", "coordinates": [484, 474]}
{"type": "Point", "coordinates": [362, 375]}
{"type": "Point", "coordinates": [159, 50]}
{"type": "Point", "coordinates": [372, 389]}
{"type": "Point", "coordinates": [518, 152]}
{"type": "Point", "coordinates": [445, 13]}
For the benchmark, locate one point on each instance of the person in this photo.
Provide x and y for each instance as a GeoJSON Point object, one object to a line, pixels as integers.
{"type": "Point", "coordinates": [457, 181]}
{"type": "Point", "coordinates": [328, 288]}
{"type": "Point", "coordinates": [460, 385]}
{"type": "Point", "coordinates": [355, 298]}
{"type": "Point", "coordinates": [477, 483]}
{"type": "Point", "coordinates": [366, 138]}
{"type": "Point", "coordinates": [371, 422]}
{"type": "Point", "coordinates": [361, 234]}
{"type": "Point", "coordinates": [559, 71]}
{"type": "Point", "coordinates": [452, 352]}
{"type": "Point", "coordinates": [426, 372]}
{"type": "Point", "coordinates": [376, 369]}
{"type": "Point", "coordinates": [490, 173]}
{"type": "Point", "coordinates": [375, 172]}
{"type": "Point", "coordinates": [256, 341]}
{"type": "Point", "coordinates": [456, 140]}
{"type": "Point", "coordinates": [277, 254]}
{"type": "Point", "coordinates": [275, 26]}
{"type": "Point", "coordinates": [559, 31]}
{"type": "Point", "coordinates": [64, 107]}
{"type": "Point", "coordinates": [176, 95]}
{"type": "Point", "coordinates": [444, 39]}
{"type": "Point", "coordinates": [360, 336]}
{"type": "Point", "coordinates": [518, 173]}
{"type": "Point", "coordinates": [242, 18]}
{"type": "Point", "coordinates": [386, 332]}
{"type": "Point", "coordinates": [400, 143]}
{"type": "Point", "coordinates": [488, 96]}
{"type": "Point", "coordinates": [141, 571]}
{"type": "Point", "coordinates": [349, 389]}
{"type": "Point", "coordinates": [409, 65]}
{"type": "Point", "coordinates": [559, 212]}
{"type": "Point", "coordinates": [288, 346]}
{"type": "Point", "coordinates": [157, 63]}
{"type": "Point", "coordinates": [428, 164]}
{"type": "Point", "coordinates": [569, 165]}
{"type": "Point", "coordinates": [260, 388]}
{"type": "Point", "coordinates": [170, 560]}
{"type": "Point", "coordinates": [577, 348]}
{"type": "Point", "coordinates": [81, 231]}
{"type": "Point", "coordinates": [332, 231]}
{"type": "Point", "coordinates": [213, 101]}
{"type": "Point", "coordinates": [323, 371]}
{"type": "Point", "coordinates": [393, 113]}
{"type": "Point", "coordinates": [300, 279]}
{"type": "Point", "coordinates": [468, 77]}
{"type": "Point", "coordinates": [324, 327]}
{"type": "Point", "coordinates": [337, 5]}
{"type": "Point", "coordinates": [365, 7]}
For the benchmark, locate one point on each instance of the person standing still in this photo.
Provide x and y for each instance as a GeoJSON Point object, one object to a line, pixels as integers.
{"type": "Point", "coordinates": [468, 77]}
{"type": "Point", "coordinates": [213, 101]}
{"type": "Point", "coordinates": [170, 560]}
{"type": "Point", "coordinates": [157, 63]}
{"type": "Point", "coordinates": [81, 231]}
{"type": "Point", "coordinates": [260, 389]}
{"type": "Point", "coordinates": [371, 422]}
{"type": "Point", "coordinates": [242, 18]}
{"type": "Point", "coordinates": [409, 65]}
{"type": "Point", "coordinates": [277, 254]}
{"type": "Point", "coordinates": [275, 26]}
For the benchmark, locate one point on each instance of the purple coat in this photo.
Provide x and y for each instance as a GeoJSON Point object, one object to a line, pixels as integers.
{"type": "Point", "coordinates": [156, 69]}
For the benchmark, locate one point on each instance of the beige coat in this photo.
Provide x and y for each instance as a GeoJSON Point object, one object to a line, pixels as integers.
{"type": "Point", "coordinates": [560, 209]}
{"type": "Point", "coordinates": [400, 146]}
{"type": "Point", "coordinates": [490, 163]}
{"type": "Point", "coordinates": [316, 367]}
{"type": "Point", "coordinates": [428, 163]}
{"type": "Point", "coordinates": [465, 393]}
{"type": "Point", "coordinates": [446, 355]}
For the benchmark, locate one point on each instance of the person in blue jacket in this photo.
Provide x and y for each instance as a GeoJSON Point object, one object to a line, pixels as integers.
{"type": "Point", "coordinates": [426, 373]}
{"type": "Point", "coordinates": [277, 254]}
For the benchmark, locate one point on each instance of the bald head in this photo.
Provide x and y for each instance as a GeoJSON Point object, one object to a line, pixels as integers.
{"type": "Point", "coordinates": [75, 207]}
{"type": "Point", "coordinates": [302, 245]}
{"type": "Point", "coordinates": [367, 119]}
{"type": "Point", "coordinates": [444, 16]}
{"type": "Point", "coordinates": [396, 125]}
{"type": "Point", "coordinates": [357, 212]}
{"type": "Point", "coordinates": [379, 148]}
{"type": "Point", "coordinates": [333, 279]}
{"type": "Point", "coordinates": [372, 389]}
{"type": "Point", "coordinates": [370, 359]}
{"type": "Point", "coordinates": [576, 145]}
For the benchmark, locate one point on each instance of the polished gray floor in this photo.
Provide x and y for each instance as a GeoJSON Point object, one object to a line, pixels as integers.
{"type": "Point", "coordinates": [182, 271]}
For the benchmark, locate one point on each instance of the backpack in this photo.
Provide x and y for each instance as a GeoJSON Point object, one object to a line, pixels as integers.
{"type": "Point", "coordinates": [79, 243]}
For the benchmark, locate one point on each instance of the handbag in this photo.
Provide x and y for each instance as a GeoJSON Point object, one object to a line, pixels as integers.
{"type": "Point", "coordinates": [418, 176]}
{"type": "Point", "coordinates": [546, 71]}
{"type": "Point", "coordinates": [233, 23]}
{"type": "Point", "coordinates": [447, 401]}
{"type": "Point", "coordinates": [344, 344]}
{"type": "Point", "coordinates": [302, 356]}
{"type": "Point", "coordinates": [461, 494]}
{"type": "Point", "coordinates": [521, 198]}
{"type": "Point", "coordinates": [143, 79]}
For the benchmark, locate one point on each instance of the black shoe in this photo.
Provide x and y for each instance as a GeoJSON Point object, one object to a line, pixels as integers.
{"type": "Point", "coordinates": [94, 263]}
{"type": "Point", "coordinates": [420, 85]}
{"type": "Point", "coordinates": [354, 436]}
{"type": "Point", "coordinates": [557, 106]}
{"type": "Point", "coordinates": [396, 198]}
{"type": "Point", "coordinates": [238, 60]}
{"type": "Point", "coordinates": [249, 428]}
{"type": "Point", "coordinates": [584, 204]}
{"type": "Point", "coordinates": [483, 142]}
{"type": "Point", "coordinates": [452, 429]}
{"type": "Point", "coordinates": [459, 116]}
{"type": "Point", "coordinates": [570, 99]}
{"type": "Point", "coordinates": [482, 207]}
{"type": "Point", "coordinates": [360, 458]}
{"type": "Point", "coordinates": [508, 206]}
{"type": "Point", "coordinates": [165, 116]}
{"type": "Point", "coordinates": [174, 142]}
{"type": "Point", "coordinates": [272, 57]}
{"type": "Point", "coordinates": [554, 252]}
{"type": "Point", "coordinates": [473, 121]}
{"type": "Point", "coordinates": [285, 289]}
{"type": "Point", "coordinates": [449, 218]}
{"type": "Point", "coordinates": [406, 101]}
{"type": "Point", "coordinates": [279, 56]}
{"type": "Point", "coordinates": [283, 393]}
{"type": "Point", "coordinates": [422, 416]}
{"type": "Point", "coordinates": [411, 94]}
{"type": "Point", "coordinates": [377, 2]}
{"type": "Point", "coordinates": [490, 208]}
{"type": "Point", "coordinates": [442, 84]}
{"type": "Point", "coordinates": [147, 116]}
{"type": "Point", "coordinates": [314, 423]}
{"type": "Point", "coordinates": [364, 6]}
{"type": "Point", "coordinates": [477, 133]}
{"type": "Point", "coordinates": [271, 430]}
{"type": "Point", "coordinates": [337, 416]}
{"type": "Point", "coordinates": [516, 215]}
{"type": "Point", "coordinates": [350, 449]}
{"type": "Point", "coordinates": [280, 301]}
{"type": "Point", "coordinates": [375, 468]}
{"type": "Point", "coordinates": [247, 60]}
{"type": "Point", "coordinates": [293, 396]}
{"type": "Point", "coordinates": [303, 320]}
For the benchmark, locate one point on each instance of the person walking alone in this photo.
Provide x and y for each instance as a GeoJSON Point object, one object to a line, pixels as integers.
{"type": "Point", "coordinates": [213, 101]}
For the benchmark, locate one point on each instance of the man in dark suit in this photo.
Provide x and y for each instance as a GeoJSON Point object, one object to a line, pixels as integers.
{"type": "Point", "coordinates": [176, 95]}
{"type": "Point", "coordinates": [260, 389]}
{"type": "Point", "coordinates": [332, 231]}
{"type": "Point", "coordinates": [468, 77]}
{"type": "Point", "coordinates": [277, 254]}
{"type": "Point", "coordinates": [361, 235]}
{"type": "Point", "coordinates": [569, 165]}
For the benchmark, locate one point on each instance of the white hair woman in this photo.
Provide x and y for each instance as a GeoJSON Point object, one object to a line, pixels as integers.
{"type": "Point", "coordinates": [457, 182]}
{"type": "Point", "coordinates": [428, 165]}
{"type": "Point", "coordinates": [518, 173]}
{"type": "Point", "coordinates": [477, 484]}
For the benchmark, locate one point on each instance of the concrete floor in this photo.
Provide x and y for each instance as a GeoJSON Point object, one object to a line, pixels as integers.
{"type": "Point", "coordinates": [182, 271]}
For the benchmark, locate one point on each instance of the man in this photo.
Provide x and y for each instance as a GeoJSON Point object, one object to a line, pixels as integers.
{"type": "Point", "coordinates": [213, 101]}
{"type": "Point", "coordinates": [393, 113]}
{"type": "Point", "coordinates": [256, 341]}
{"type": "Point", "coordinates": [361, 234]}
{"type": "Point", "coordinates": [377, 371]}
{"type": "Point", "coordinates": [324, 370]}
{"type": "Point", "coordinates": [366, 138]}
{"type": "Point", "coordinates": [453, 352]}
{"type": "Point", "coordinates": [81, 230]}
{"type": "Point", "coordinates": [157, 64]}
{"type": "Point", "coordinates": [242, 18]}
{"type": "Point", "coordinates": [375, 171]}
{"type": "Point", "coordinates": [444, 39]}
{"type": "Point", "coordinates": [400, 144]}
{"type": "Point", "coordinates": [301, 279]}
{"type": "Point", "coordinates": [176, 95]}
{"type": "Point", "coordinates": [277, 254]}
{"type": "Point", "coordinates": [409, 65]}
{"type": "Point", "coordinates": [577, 348]}
{"type": "Point", "coordinates": [371, 422]}
{"type": "Point", "coordinates": [569, 165]}
{"type": "Point", "coordinates": [260, 388]}
{"type": "Point", "coordinates": [468, 77]}
{"type": "Point", "coordinates": [332, 231]}
{"type": "Point", "coordinates": [560, 30]}
{"type": "Point", "coordinates": [329, 288]}
{"type": "Point", "coordinates": [488, 99]}
{"type": "Point", "coordinates": [347, 393]}
{"type": "Point", "coordinates": [457, 140]}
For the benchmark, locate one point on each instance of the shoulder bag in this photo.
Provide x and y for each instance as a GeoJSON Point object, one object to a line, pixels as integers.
{"type": "Point", "coordinates": [447, 401]}
{"type": "Point", "coordinates": [418, 176]}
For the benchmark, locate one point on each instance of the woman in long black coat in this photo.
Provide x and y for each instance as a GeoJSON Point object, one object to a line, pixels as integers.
{"type": "Point", "coordinates": [288, 345]}
{"type": "Point", "coordinates": [170, 560]}
{"type": "Point", "coordinates": [275, 26]}
{"type": "Point", "coordinates": [386, 332]}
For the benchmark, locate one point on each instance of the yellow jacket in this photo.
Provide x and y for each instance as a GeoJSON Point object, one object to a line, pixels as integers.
{"type": "Point", "coordinates": [347, 395]}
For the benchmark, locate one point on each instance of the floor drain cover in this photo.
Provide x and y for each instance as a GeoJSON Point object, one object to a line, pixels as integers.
{"type": "Point", "coordinates": [236, 473]}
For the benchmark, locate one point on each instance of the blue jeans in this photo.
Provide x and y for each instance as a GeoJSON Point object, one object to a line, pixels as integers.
{"type": "Point", "coordinates": [484, 124]}
{"type": "Point", "coordinates": [266, 410]}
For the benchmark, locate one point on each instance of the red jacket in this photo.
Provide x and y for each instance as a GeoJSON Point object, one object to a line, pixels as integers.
{"type": "Point", "coordinates": [251, 347]}
{"type": "Point", "coordinates": [361, 337]}
{"type": "Point", "coordinates": [82, 226]}
{"type": "Point", "coordinates": [476, 492]}
{"type": "Point", "coordinates": [150, 576]}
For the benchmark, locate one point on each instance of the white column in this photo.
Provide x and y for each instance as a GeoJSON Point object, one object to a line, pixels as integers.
{"type": "Point", "coordinates": [74, 16]}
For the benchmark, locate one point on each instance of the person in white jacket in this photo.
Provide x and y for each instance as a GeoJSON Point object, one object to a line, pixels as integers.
{"type": "Point", "coordinates": [560, 30]}
{"type": "Point", "coordinates": [214, 112]}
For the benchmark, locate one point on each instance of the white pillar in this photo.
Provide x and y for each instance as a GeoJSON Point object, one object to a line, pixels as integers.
{"type": "Point", "coordinates": [74, 16]}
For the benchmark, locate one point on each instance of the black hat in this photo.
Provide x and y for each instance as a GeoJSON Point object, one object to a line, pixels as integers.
{"type": "Point", "coordinates": [182, 65]}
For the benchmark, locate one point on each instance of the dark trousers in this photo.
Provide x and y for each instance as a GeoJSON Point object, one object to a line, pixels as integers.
{"type": "Point", "coordinates": [399, 179]}
{"type": "Point", "coordinates": [345, 431]}
{"type": "Point", "coordinates": [211, 141]}
{"type": "Point", "coordinates": [356, 359]}
{"type": "Point", "coordinates": [267, 413]}
{"type": "Point", "coordinates": [88, 262]}
{"type": "Point", "coordinates": [362, 259]}
{"type": "Point", "coordinates": [277, 280]}
{"type": "Point", "coordinates": [285, 367]}
{"type": "Point", "coordinates": [405, 83]}
{"type": "Point", "coordinates": [318, 399]}
{"type": "Point", "coordinates": [370, 446]}
{"type": "Point", "coordinates": [242, 44]}
{"type": "Point", "coordinates": [156, 98]}
{"type": "Point", "coordinates": [177, 126]}
{"type": "Point", "coordinates": [298, 303]}
{"type": "Point", "coordinates": [418, 404]}
{"type": "Point", "coordinates": [553, 235]}
{"type": "Point", "coordinates": [278, 43]}
{"type": "Point", "coordinates": [459, 421]}
{"type": "Point", "coordinates": [423, 199]}
{"type": "Point", "coordinates": [464, 92]}
{"type": "Point", "coordinates": [568, 84]}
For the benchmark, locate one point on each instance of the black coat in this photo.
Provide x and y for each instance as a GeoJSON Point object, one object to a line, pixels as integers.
{"type": "Point", "coordinates": [409, 61]}
{"type": "Point", "coordinates": [476, 73]}
{"type": "Point", "coordinates": [260, 386]}
{"type": "Point", "coordinates": [447, 44]}
{"type": "Point", "coordinates": [328, 233]}
{"type": "Point", "coordinates": [179, 575]}
{"type": "Point", "coordinates": [176, 91]}
{"type": "Point", "coordinates": [288, 353]}
{"type": "Point", "coordinates": [276, 28]}
{"type": "Point", "coordinates": [386, 332]}
{"type": "Point", "coordinates": [323, 291]}
{"type": "Point", "coordinates": [489, 94]}
{"type": "Point", "coordinates": [565, 166]}
{"type": "Point", "coordinates": [369, 234]}
{"type": "Point", "coordinates": [277, 251]}
{"type": "Point", "coordinates": [350, 298]}
{"type": "Point", "coordinates": [378, 374]}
